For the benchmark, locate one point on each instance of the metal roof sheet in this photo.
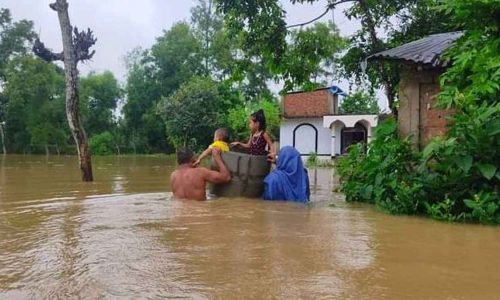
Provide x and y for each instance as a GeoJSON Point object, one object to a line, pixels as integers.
{"type": "Point", "coordinates": [426, 50]}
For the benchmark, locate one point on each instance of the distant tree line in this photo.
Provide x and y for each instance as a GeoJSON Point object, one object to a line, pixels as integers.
{"type": "Point", "coordinates": [199, 75]}
{"type": "Point", "coordinates": [196, 77]}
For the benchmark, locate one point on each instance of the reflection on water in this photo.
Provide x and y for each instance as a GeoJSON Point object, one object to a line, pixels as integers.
{"type": "Point", "coordinates": [122, 236]}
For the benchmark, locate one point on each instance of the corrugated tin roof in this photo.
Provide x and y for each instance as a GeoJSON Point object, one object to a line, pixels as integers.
{"type": "Point", "coordinates": [426, 50]}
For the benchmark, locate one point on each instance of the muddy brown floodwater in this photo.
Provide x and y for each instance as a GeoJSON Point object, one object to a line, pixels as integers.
{"type": "Point", "coordinates": [124, 237]}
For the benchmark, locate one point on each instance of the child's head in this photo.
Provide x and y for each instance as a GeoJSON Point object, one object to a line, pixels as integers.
{"type": "Point", "coordinates": [221, 135]}
{"type": "Point", "coordinates": [257, 121]}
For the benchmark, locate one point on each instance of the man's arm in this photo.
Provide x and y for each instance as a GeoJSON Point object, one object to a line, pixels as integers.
{"type": "Point", "coordinates": [221, 176]}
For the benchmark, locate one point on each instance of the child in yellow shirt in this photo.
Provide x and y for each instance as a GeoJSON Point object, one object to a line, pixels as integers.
{"type": "Point", "coordinates": [220, 141]}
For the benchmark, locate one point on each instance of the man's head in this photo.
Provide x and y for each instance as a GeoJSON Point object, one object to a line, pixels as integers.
{"type": "Point", "coordinates": [221, 135]}
{"type": "Point", "coordinates": [184, 156]}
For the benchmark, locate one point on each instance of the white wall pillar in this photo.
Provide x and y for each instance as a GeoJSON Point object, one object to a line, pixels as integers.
{"type": "Point", "coordinates": [369, 134]}
{"type": "Point", "coordinates": [334, 142]}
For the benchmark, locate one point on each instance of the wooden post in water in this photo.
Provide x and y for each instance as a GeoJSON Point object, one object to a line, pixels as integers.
{"type": "Point", "coordinates": [76, 47]}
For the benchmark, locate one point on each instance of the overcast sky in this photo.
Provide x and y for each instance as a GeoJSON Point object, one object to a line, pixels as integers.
{"type": "Point", "coordinates": [122, 25]}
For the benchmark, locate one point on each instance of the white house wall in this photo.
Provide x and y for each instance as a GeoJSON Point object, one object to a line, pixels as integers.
{"type": "Point", "coordinates": [337, 130]}
{"type": "Point", "coordinates": [305, 136]}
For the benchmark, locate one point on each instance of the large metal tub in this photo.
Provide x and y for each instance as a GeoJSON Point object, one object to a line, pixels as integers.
{"type": "Point", "coordinates": [247, 176]}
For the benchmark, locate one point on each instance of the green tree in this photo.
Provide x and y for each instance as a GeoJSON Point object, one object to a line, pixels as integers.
{"type": "Point", "coordinates": [206, 25]}
{"type": "Point", "coordinates": [403, 22]}
{"type": "Point", "coordinates": [359, 102]}
{"type": "Point", "coordinates": [175, 57]}
{"type": "Point", "coordinates": [152, 74]}
{"type": "Point", "coordinates": [14, 39]}
{"type": "Point", "coordinates": [193, 113]}
{"type": "Point", "coordinates": [144, 128]}
{"type": "Point", "coordinates": [310, 55]}
{"type": "Point", "coordinates": [474, 76]}
{"type": "Point", "coordinates": [221, 54]}
{"type": "Point", "coordinates": [35, 106]}
{"type": "Point", "coordinates": [99, 94]}
{"type": "Point", "coordinates": [262, 27]}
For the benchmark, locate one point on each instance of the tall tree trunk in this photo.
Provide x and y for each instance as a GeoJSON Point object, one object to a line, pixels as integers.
{"type": "Point", "coordinates": [76, 47]}
{"type": "Point", "coordinates": [72, 94]}
{"type": "Point", "coordinates": [3, 138]}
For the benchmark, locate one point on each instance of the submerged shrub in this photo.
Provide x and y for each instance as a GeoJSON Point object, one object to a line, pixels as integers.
{"type": "Point", "coordinates": [312, 160]}
{"type": "Point", "coordinates": [464, 166]}
{"type": "Point", "coordinates": [458, 176]}
{"type": "Point", "coordinates": [455, 178]}
{"type": "Point", "coordinates": [102, 144]}
{"type": "Point", "coordinates": [385, 175]}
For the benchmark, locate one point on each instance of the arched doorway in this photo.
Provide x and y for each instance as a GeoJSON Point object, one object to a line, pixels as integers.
{"type": "Point", "coordinates": [305, 138]}
{"type": "Point", "coordinates": [353, 135]}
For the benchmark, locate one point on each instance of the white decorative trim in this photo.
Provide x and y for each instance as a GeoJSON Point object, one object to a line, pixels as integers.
{"type": "Point", "coordinates": [350, 120]}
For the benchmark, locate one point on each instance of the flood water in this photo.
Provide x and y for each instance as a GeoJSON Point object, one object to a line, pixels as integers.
{"type": "Point", "coordinates": [124, 237]}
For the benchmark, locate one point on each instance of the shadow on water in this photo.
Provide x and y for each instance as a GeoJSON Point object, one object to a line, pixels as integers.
{"type": "Point", "coordinates": [122, 236]}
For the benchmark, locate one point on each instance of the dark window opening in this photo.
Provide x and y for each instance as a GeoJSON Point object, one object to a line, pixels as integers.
{"type": "Point", "coordinates": [351, 136]}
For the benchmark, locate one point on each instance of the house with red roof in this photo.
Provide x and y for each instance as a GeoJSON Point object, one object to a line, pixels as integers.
{"type": "Point", "coordinates": [312, 123]}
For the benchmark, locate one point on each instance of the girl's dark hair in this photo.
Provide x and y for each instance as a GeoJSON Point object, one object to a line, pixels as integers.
{"type": "Point", "coordinates": [259, 116]}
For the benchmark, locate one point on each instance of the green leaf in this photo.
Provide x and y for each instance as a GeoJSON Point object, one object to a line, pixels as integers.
{"type": "Point", "coordinates": [366, 192]}
{"type": "Point", "coordinates": [488, 170]}
{"type": "Point", "coordinates": [491, 208]}
{"type": "Point", "coordinates": [429, 149]}
{"type": "Point", "coordinates": [464, 162]}
{"type": "Point", "coordinates": [469, 203]}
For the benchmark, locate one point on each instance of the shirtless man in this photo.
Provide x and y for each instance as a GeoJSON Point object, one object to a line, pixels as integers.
{"type": "Point", "coordinates": [189, 182]}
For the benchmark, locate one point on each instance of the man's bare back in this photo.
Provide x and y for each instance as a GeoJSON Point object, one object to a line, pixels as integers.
{"type": "Point", "coordinates": [189, 182]}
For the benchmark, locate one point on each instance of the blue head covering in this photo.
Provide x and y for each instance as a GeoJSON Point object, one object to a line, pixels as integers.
{"type": "Point", "coordinates": [289, 181]}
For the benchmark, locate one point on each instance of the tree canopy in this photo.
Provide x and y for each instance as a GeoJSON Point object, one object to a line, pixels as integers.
{"type": "Point", "coordinates": [359, 103]}
{"type": "Point", "coordinates": [241, 49]}
{"type": "Point", "coordinates": [193, 113]}
{"type": "Point", "coordinates": [35, 104]}
{"type": "Point", "coordinates": [100, 94]}
{"type": "Point", "coordinates": [414, 19]}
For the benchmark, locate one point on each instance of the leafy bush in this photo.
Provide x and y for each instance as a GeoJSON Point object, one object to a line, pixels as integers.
{"type": "Point", "coordinates": [102, 144]}
{"type": "Point", "coordinates": [312, 159]}
{"type": "Point", "coordinates": [454, 178]}
{"type": "Point", "coordinates": [385, 176]}
{"type": "Point", "coordinates": [458, 176]}
{"type": "Point", "coordinates": [464, 165]}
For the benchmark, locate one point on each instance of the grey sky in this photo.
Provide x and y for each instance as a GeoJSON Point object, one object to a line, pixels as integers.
{"type": "Point", "coordinates": [121, 25]}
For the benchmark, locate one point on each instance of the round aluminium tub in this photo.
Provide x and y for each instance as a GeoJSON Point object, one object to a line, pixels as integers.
{"type": "Point", "coordinates": [247, 176]}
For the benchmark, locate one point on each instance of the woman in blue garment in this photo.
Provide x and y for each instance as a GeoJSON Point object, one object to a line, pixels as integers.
{"type": "Point", "coordinates": [289, 181]}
